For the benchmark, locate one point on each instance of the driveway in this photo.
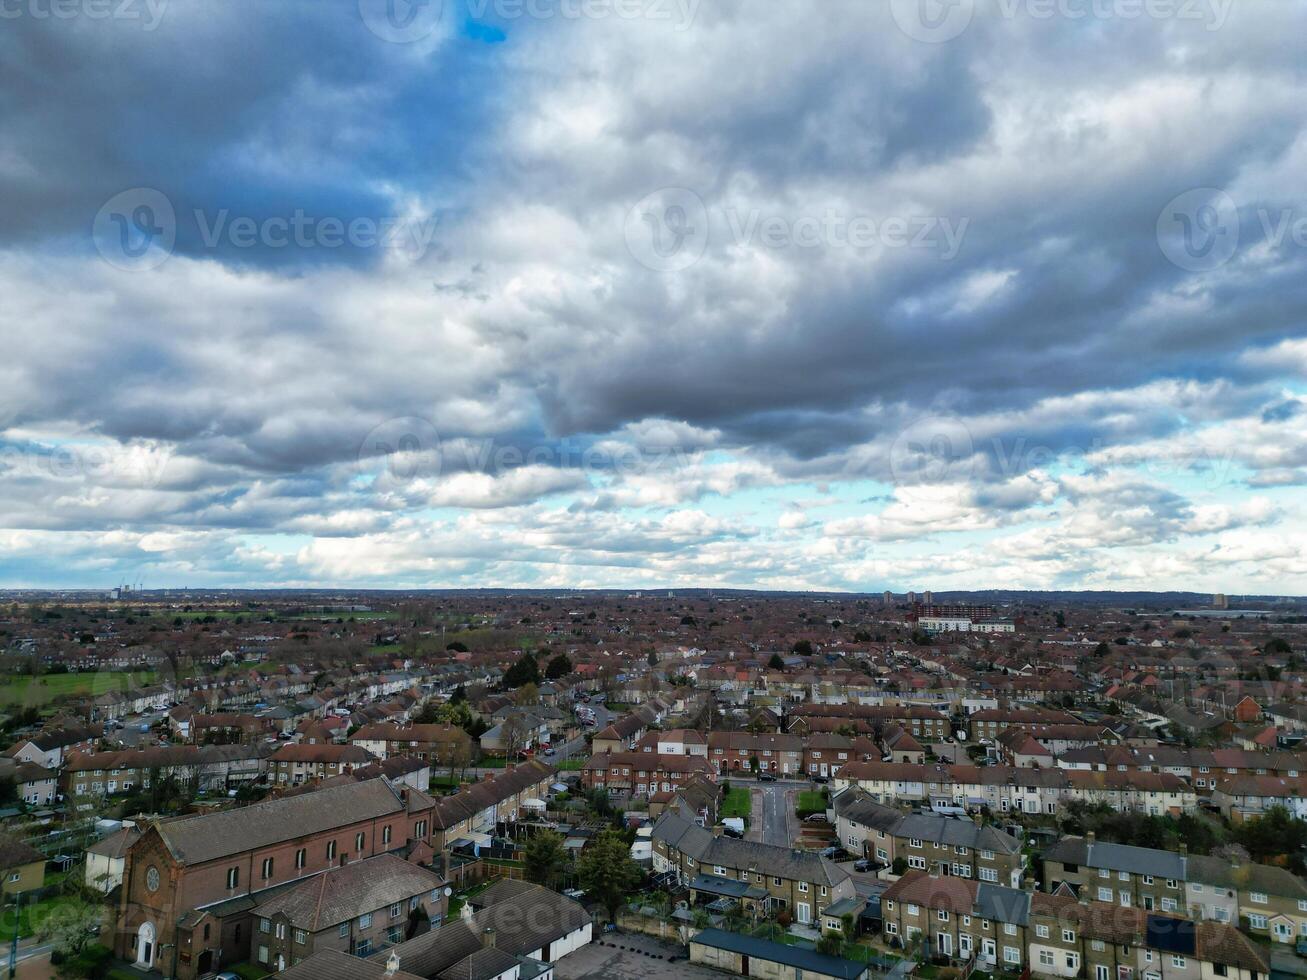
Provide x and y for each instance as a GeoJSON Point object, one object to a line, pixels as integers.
{"type": "Point", "coordinates": [625, 955]}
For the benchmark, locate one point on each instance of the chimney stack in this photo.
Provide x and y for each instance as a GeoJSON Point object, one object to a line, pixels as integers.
{"type": "Point", "coordinates": [488, 938]}
{"type": "Point", "coordinates": [1089, 837]}
{"type": "Point", "coordinates": [392, 964]}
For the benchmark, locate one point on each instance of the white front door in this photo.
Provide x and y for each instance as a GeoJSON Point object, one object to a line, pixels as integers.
{"type": "Point", "coordinates": [945, 941]}
{"type": "Point", "coordinates": [145, 945]}
{"type": "Point", "coordinates": [804, 912]}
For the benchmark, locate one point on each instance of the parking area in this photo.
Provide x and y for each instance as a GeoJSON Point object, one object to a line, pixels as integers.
{"type": "Point", "coordinates": [616, 956]}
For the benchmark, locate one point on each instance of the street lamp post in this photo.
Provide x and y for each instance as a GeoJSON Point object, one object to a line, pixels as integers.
{"type": "Point", "coordinates": [13, 948]}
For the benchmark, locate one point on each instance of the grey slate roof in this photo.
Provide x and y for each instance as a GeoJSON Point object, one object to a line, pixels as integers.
{"type": "Point", "coordinates": [434, 952]}
{"type": "Point", "coordinates": [526, 917]}
{"type": "Point", "coordinates": [1118, 857]}
{"type": "Point", "coordinates": [794, 956]}
{"type": "Point", "coordinates": [335, 896]}
{"type": "Point", "coordinates": [728, 852]}
{"type": "Point", "coordinates": [481, 965]}
{"type": "Point", "coordinates": [331, 964]}
{"type": "Point", "coordinates": [858, 806]}
{"type": "Point", "coordinates": [1003, 904]}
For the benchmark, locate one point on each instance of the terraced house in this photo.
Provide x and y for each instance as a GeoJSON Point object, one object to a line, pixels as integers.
{"type": "Point", "coordinates": [960, 847]}
{"type": "Point", "coordinates": [761, 878]}
{"type": "Point", "coordinates": [1060, 935]}
{"type": "Point", "coordinates": [642, 774]}
{"type": "Point", "coordinates": [295, 764]}
{"type": "Point", "coordinates": [473, 811]}
{"type": "Point", "coordinates": [1263, 899]}
{"type": "Point", "coordinates": [735, 752]}
{"type": "Point", "coordinates": [1027, 790]}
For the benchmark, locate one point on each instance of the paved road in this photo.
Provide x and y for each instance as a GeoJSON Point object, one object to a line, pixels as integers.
{"type": "Point", "coordinates": [774, 820]}
{"type": "Point", "coordinates": [778, 827]}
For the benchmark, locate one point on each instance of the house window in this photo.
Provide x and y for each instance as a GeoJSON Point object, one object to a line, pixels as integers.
{"type": "Point", "coordinates": [267, 868]}
{"type": "Point", "coordinates": [385, 834]}
{"type": "Point", "coordinates": [1046, 957]}
{"type": "Point", "coordinates": [233, 877]}
{"type": "Point", "coordinates": [420, 830]}
{"type": "Point", "coordinates": [365, 920]}
{"type": "Point", "coordinates": [1011, 954]}
{"type": "Point", "coordinates": [942, 915]}
{"type": "Point", "coordinates": [363, 948]}
{"type": "Point", "coordinates": [1068, 936]}
{"type": "Point", "coordinates": [301, 937]}
{"type": "Point", "coordinates": [1041, 932]}
{"type": "Point", "coordinates": [358, 842]}
{"type": "Point", "coordinates": [265, 925]}
{"type": "Point", "coordinates": [395, 910]}
{"type": "Point", "coordinates": [331, 850]}
{"type": "Point", "coordinates": [343, 931]}
{"type": "Point", "coordinates": [1257, 897]}
{"type": "Point", "coordinates": [300, 858]}
{"type": "Point", "coordinates": [1010, 928]}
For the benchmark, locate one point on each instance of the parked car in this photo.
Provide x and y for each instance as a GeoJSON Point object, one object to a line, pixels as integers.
{"type": "Point", "coordinates": [766, 777]}
{"type": "Point", "coordinates": [833, 851]}
{"type": "Point", "coordinates": [821, 779]}
{"type": "Point", "coordinates": [864, 864]}
{"type": "Point", "coordinates": [815, 818]}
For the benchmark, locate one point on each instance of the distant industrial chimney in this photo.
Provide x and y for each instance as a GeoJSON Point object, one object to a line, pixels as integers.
{"type": "Point", "coordinates": [488, 938]}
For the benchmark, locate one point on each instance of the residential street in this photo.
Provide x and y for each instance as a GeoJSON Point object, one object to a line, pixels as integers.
{"type": "Point", "coordinates": [774, 821]}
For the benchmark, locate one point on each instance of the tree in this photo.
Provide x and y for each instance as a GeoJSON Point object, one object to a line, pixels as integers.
{"type": "Point", "coordinates": [545, 858]}
{"type": "Point", "coordinates": [513, 733]}
{"type": "Point", "coordinates": [606, 871]}
{"type": "Point", "coordinates": [527, 694]}
{"type": "Point", "coordinates": [71, 927]}
{"type": "Point", "coordinates": [559, 666]}
{"type": "Point", "coordinates": [802, 647]}
{"type": "Point", "coordinates": [525, 671]}
{"type": "Point", "coordinates": [776, 662]}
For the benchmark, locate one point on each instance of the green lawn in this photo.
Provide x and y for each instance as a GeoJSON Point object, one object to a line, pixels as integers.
{"type": "Point", "coordinates": [32, 915]}
{"type": "Point", "coordinates": [26, 690]}
{"type": "Point", "coordinates": [738, 802]}
{"type": "Point", "coordinates": [570, 765]}
{"type": "Point", "coordinates": [810, 801]}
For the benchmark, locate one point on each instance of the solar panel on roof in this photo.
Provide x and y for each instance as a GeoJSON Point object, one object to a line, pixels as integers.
{"type": "Point", "coordinates": [1171, 935]}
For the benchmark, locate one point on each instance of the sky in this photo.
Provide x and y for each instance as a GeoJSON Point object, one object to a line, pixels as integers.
{"type": "Point", "coordinates": [915, 294]}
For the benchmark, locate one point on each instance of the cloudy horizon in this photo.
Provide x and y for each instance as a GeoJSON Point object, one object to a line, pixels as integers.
{"type": "Point", "coordinates": [654, 293]}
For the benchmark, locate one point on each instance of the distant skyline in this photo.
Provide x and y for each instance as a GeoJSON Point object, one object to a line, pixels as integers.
{"type": "Point", "coordinates": [652, 295]}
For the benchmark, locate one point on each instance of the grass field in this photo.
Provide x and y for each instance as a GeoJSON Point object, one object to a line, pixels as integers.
{"type": "Point", "coordinates": [35, 691]}
{"type": "Point", "coordinates": [31, 916]}
{"type": "Point", "coordinates": [738, 802]}
{"type": "Point", "coordinates": [810, 801]}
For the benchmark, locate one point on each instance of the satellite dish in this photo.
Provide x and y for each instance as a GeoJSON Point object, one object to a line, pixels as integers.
{"type": "Point", "coordinates": [448, 891]}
